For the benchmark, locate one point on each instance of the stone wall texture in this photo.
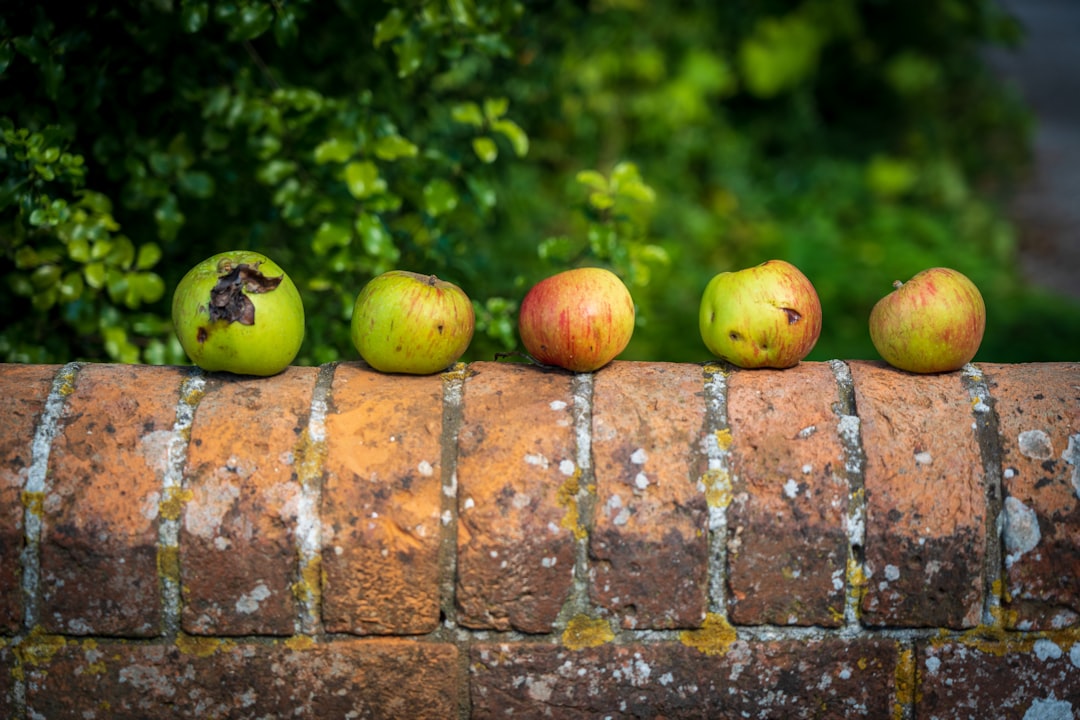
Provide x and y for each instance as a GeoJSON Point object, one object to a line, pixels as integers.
{"type": "Point", "coordinates": [653, 540]}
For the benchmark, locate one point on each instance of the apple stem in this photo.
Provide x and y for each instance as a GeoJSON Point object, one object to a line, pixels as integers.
{"type": "Point", "coordinates": [897, 284]}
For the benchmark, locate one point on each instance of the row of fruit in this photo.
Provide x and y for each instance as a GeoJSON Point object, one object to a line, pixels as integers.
{"type": "Point", "coordinates": [239, 312]}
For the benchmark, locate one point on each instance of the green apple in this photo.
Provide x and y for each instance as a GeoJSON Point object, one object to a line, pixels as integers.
{"type": "Point", "coordinates": [764, 316]}
{"type": "Point", "coordinates": [404, 322]}
{"type": "Point", "coordinates": [932, 323]}
{"type": "Point", "coordinates": [578, 319]}
{"type": "Point", "coordinates": [239, 312]}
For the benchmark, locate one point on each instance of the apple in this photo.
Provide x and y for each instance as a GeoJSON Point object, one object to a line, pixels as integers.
{"type": "Point", "coordinates": [404, 322]}
{"type": "Point", "coordinates": [932, 323]}
{"type": "Point", "coordinates": [768, 316]}
{"type": "Point", "coordinates": [578, 319]}
{"type": "Point", "coordinates": [239, 312]}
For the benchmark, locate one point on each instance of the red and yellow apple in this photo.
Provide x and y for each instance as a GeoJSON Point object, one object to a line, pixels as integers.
{"type": "Point", "coordinates": [932, 323]}
{"type": "Point", "coordinates": [578, 319]}
{"type": "Point", "coordinates": [768, 316]}
{"type": "Point", "coordinates": [239, 312]}
{"type": "Point", "coordinates": [405, 322]}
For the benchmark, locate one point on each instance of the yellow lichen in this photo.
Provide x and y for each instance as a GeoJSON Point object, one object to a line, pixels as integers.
{"type": "Point", "coordinates": [717, 484]}
{"type": "Point", "coordinates": [723, 439]}
{"type": "Point", "coordinates": [38, 648]}
{"type": "Point", "coordinates": [168, 563]}
{"type": "Point", "coordinates": [904, 677]}
{"type": "Point", "coordinates": [567, 497]}
{"type": "Point", "coordinates": [201, 647]}
{"type": "Point", "coordinates": [193, 396]}
{"type": "Point", "coordinates": [308, 587]}
{"type": "Point", "coordinates": [300, 642]}
{"type": "Point", "coordinates": [173, 505]}
{"type": "Point", "coordinates": [94, 667]}
{"type": "Point", "coordinates": [584, 632]}
{"type": "Point", "coordinates": [310, 456]}
{"type": "Point", "coordinates": [715, 637]}
{"type": "Point", "coordinates": [34, 502]}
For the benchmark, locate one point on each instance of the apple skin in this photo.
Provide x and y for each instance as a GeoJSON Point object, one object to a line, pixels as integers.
{"type": "Point", "coordinates": [404, 322]}
{"type": "Point", "coordinates": [766, 316]}
{"type": "Point", "coordinates": [579, 320]}
{"type": "Point", "coordinates": [933, 323]}
{"type": "Point", "coordinates": [239, 312]}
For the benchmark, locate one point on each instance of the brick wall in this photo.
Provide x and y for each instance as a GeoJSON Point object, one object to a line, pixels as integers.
{"type": "Point", "coordinates": [652, 540]}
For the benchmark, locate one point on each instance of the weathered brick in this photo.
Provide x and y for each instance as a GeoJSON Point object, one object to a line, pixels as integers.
{"type": "Point", "coordinates": [237, 540]}
{"type": "Point", "coordinates": [25, 389]}
{"type": "Point", "coordinates": [1038, 409]}
{"type": "Point", "coordinates": [517, 480]}
{"type": "Point", "coordinates": [649, 545]}
{"type": "Point", "coordinates": [381, 503]}
{"type": "Point", "coordinates": [223, 679]}
{"type": "Point", "coordinates": [925, 500]}
{"type": "Point", "coordinates": [1006, 680]}
{"type": "Point", "coordinates": [99, 526]}
{"type": "Point", "coordinates": [7, 681]}
{"type": "Point", "coordinates": [787, 547]}
{"type": "Point", "coordinates": [779, 679]}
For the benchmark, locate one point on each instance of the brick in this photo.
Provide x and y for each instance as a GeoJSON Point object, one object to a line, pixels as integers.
{"type": "Point", "coordinates": [381, 503]}
{"type": "Point", "coordinates": [649, 544]}
{"type": "Point", "coordinates": [25, 389]}
{"type": "Point", "coordinates": [1006, 680]}
{"type": "Point", "coordinates": [1038, 410]}
{"type": "Point", "coordinates": [517, 478]}
{"type": "Point", "coordinates": [925, 500]}
{"type": "Point", "coordinates": [787, 547]}
{"type": "Point", "coordinates": [238, 554]}
{"type": "Point", "coordinates": [777, 679]}
{"type": "Point", "coordinates": [99, 572]}
{"type": "Point", "coordinates": [7, 681]}
{"type": "Point", "coordinates": [219, 679]}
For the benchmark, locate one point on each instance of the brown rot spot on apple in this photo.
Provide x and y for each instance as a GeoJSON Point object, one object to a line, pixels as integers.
{"type": "Point", "coordinates": [228, 300]}
{"type": "Point", "coordinates": [735, 337]}
{"type": "Point", "coordinates": [202, 334]}
{"type": "Point", "coordinates": [439, 327]}
{"type": "Point", "coordinates": [793, 316]}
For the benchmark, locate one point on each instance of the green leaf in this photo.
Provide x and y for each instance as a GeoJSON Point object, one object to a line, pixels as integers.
{"type": "Point", "coordinates": [95, 275]}
{"type": "Point", "coordinates": [330, 236]}
{"type": "Point", "coordinates": [889, 176]}
{"type": "Point", "coordinates": [390, 27]}
{"type": "Point", "coordinates": [197, 184]}
{"type": "Point", "coordinates": [71, 287]}
{"type": "Point", "coordinates": [193, 14]}
{"type": "Point", "coordinates": [392, 147]}
{"type": "Point", "coordinates": [513, 132]}
{"type": "Point", "coordinates": [495, 108]}
{"type": "Point", "coordinates": [440, 197]}
{"type": "Point", "coordinates": [146, 287]}
{"type": "Point", "coordinates": [485, 149]}
{"type": "Point", "coordinates": [148, 257]}
{"type": "Point", "coordinates": [7, 54]}
{"type": "Point", "coordinates": [374, 237]}
{"type": "Point", "coordinates": [409, 52]}
{"type": "Point", "coordinates": [362, 179]}
{"type": "Point", "coordinates": [467, 113]}
{"type": "Point", "coordinates": [122, 253]}
{"type": "Point", "coordinates": [335, 149]}
{"type": "Point", "coordinates": [592, 179]}
{"type": "Point", "coordinates": [601, 200]}
{"type": "Point", "coordinates": [79, 250]}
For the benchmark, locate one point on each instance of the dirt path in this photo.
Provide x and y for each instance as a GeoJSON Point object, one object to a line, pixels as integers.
{"type": "Point", "coordinates": [1046, 69]}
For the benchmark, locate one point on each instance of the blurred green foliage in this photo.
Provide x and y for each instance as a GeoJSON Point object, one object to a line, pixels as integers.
{"type": "Point", "coordinates": [494, 142]}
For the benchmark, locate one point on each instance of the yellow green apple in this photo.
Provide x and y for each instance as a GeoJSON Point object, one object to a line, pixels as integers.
{"type": "Point", "coordinates": [405, 322]}
{"type": "Point", "coordinates": [766, 316]}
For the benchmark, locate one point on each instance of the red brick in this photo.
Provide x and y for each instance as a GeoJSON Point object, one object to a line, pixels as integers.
{"type": "Point", "coordinates": [25, 389]}
{"type": "Point", "coordinates": [780, 679]}
{"type": "Point", "coordinates": [99, 528]}
{"type": "Point", "coordinates": [339, 679]}
{"type": "Point", "coordinates": [926, 504]}
{"type": "Point", "coordinates": [649, 545]}
{"type": "Point", "coordinates": [517, 478]}
{"type": "Point", "coordinates": [1038, 410]}
{"type": "Point", "coordinates": [1006, 680]}
{"type": "Point", "coordinates": [238, 553]}
{"type": "Point", "coordinates": [382, 498]}
{"type": "Point", "coordinates": [787, 547]}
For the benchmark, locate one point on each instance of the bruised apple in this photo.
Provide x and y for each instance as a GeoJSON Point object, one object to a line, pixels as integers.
{"type": "Point", "coordinates": [239, 312]}
{"type": "Point", "coordinates": [766, 316]}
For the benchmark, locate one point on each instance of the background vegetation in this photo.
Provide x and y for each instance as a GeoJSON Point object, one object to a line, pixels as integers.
{"type": "Point", "coordinates": [494, 142]}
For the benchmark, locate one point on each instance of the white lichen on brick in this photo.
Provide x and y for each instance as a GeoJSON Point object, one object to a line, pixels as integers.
{"type": "Point", "coordinates": [536, 460]}
{"type": "Point", "coordinates": [1035, 444]}
{"type": "Point", "coordinates": [1050, 708]}
{"type": "Point", "coordinates": [1021, 530]}
{"type": "Point", "coordinates": [639, 456]}
{"type": "Point", "coordinates": [249, 602]}
{"type": "Point", "coordinates": [1046, 649]}
{"type": "Point", "coordinates": [1071, 455]}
